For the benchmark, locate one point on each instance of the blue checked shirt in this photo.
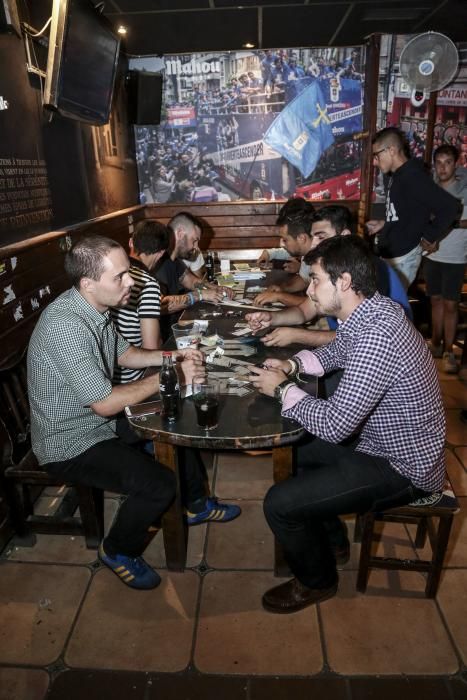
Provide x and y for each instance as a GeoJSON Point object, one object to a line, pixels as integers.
{"type": "Point", "coordinates": [71, 358]}
{"type": "Point", "coordinates": [389, 393]}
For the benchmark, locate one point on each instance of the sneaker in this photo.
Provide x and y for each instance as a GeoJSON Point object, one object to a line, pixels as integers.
{"type": "Point", "coordinates": [449, 364]}
{"type": "Point", "coordinates": [131, 570]}
{"type": "Point", "coordinates": [215, 512]}
{"type": "Point", "coordinates": [436, 350]}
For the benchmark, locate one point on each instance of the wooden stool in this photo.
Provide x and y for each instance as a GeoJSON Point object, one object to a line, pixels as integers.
{"type": "Point", "coordinates": [439, 506]}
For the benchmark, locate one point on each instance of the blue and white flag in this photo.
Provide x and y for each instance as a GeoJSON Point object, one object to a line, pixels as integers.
{"type": "Point", "coordinates": [302, 131]}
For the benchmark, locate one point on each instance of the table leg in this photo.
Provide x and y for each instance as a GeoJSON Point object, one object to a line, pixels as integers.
{"type": "Point", "coordinates": [282, 462]}
{"type": "Point", "coordinates": [174, 528]}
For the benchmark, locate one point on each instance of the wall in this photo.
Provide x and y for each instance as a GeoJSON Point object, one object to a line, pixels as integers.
{"type": "Point", "coordinates": [55, 171]}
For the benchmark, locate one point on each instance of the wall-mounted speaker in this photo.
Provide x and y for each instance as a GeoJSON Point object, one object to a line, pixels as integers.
{"type": "Point", "coordinates": [9, 20]}
{"type": "Point", "coordinates": [144, 97]}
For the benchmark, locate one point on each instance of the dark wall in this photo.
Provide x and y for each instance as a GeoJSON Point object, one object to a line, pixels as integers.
{"type": "Point", "coordinates": [54, 171]}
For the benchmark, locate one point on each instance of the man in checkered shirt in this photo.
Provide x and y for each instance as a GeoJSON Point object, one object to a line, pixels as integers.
{"type": "Point", "coordinates": [379, 438]}
{"type": "Point", "coordinates": [71, 358]}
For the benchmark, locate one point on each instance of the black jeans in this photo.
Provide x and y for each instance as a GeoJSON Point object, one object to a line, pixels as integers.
{"type": "Point", "coordinates": [331, 480]}
{"type": "Point", "coordinates": [113, 465]}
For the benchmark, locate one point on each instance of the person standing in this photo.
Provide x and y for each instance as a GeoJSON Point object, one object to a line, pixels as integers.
{"type": "Point", "coordinates": [444, 268]}
{"type": "Point", "coordinates": [418, 212]}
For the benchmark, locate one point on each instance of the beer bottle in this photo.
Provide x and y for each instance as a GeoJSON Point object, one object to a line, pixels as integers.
{"type": "Point", "coordinates": [209, 264]}
{"type": "Point", "coordinates": [169, 388]}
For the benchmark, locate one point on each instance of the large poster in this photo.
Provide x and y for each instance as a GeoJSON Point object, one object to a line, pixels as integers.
{"type": "Point", "coordinates": [254, 125]}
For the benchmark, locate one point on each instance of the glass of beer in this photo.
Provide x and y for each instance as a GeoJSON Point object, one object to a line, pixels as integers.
{"type": "Point", "coordinates": [206, 399]}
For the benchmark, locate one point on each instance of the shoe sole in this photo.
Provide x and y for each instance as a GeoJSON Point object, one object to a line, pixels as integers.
{"type": "Point", "coordinates": [330, 593]}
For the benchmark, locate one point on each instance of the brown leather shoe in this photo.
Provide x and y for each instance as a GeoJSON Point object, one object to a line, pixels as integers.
{"type": "Point", "coordinates": [293, 596]}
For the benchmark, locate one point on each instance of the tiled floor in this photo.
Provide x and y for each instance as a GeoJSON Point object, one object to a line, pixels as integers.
{"type": "Point", "coordinates": [70, 630]}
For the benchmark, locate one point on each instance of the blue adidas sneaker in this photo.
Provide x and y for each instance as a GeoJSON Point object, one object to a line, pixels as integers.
{"type": "Point", "coordinates": [131, 570]}
{"type": "Point", "coordinates": [214, 512]}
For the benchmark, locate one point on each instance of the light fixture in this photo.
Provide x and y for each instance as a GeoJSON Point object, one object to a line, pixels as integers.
{"type": "Point", "coordinates": [248, 45]}
{"type": "Point", "coordinates": [122, 30]}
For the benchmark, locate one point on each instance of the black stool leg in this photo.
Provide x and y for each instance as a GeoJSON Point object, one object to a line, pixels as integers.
{"type": "Point", "coordinates": [368, 524]}
{"type": "Point", "coordinates": [439, 552]}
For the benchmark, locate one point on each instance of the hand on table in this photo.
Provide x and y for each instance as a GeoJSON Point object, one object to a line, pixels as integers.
{"type": "Point", "coordinates": [190, 369]}
{"type": "Point", "coordinates": [188, 354]}
{"type": "Point", "coordinates": [266, 298]}
{"type": "Point", "coordinates": [279, 337]}
{"type": "Point", "coordinates": [266, 380]}
{"type": "Point", "coordinates": [217, 294]}
{"type": "Point", "coordinates": [259, 320]}
{"type": "Point", "coordinates": [263, 258]}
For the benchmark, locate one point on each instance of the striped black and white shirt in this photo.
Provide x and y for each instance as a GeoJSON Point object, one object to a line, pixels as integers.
{"type": "Point", "coordinates": [71, 358]}
{"type": "Point", "coordinates": [144, 302]}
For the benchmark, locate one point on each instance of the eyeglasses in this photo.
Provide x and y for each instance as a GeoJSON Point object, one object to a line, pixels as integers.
{"type": "Point", "coordinates": [376, 153]}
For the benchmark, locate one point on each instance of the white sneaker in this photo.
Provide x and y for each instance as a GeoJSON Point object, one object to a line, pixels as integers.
{"type": "Point", "coordinates": [449, 364]}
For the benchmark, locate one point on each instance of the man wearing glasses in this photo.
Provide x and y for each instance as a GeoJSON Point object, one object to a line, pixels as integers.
{"type": "Point", "coordinates": [418, 212]}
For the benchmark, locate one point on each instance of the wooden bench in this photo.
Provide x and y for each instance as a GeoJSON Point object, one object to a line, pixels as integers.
{"type": "Point", "coordinates": [23, 479]}
{"type": "Point", "coordinates": [432, 515]}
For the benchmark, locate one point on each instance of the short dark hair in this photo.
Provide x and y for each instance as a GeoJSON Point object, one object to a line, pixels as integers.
{"type": "Point", "coordinates": [347, 254]}
{"type": "Point", "coordinates": [297, 215]}
{"type": "Point", "coordinates": [391, 136]}
{"type": "Point", "coordinates": [338, 216]}
{"type": "Point", "coordinates": [86, 258]}
{"type": "Point", "coordinates": [447, 149]}
{"type": "Point", "coordinates": [184, 218]}
{"type": "Point", "coordinates": [150, 236]}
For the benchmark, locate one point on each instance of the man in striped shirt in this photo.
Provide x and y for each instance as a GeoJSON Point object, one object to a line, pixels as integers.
{"type": "Point", "coordinates": [388, 397]}
{"type": "Point", "coordinates": [138, 320]}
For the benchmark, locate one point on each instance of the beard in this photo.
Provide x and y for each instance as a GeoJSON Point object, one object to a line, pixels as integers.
{"type": "Point", "coordinates": [186, 253]}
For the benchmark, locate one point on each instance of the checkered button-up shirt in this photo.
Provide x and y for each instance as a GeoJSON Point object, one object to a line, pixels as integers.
{"type": "Point", "coordinates": [389, 393]}
{"type": "Point", "coordinates": [71, 359]}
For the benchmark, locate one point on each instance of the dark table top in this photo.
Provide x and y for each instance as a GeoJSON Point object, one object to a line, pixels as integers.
{"type": "Point", "coordinates": [245, 422]}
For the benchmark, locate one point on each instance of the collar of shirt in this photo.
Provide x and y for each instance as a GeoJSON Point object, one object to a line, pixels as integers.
{"type": "Point", "coordinates": [88, 310]}
{"type": "Point", "coordinates": [351, 325]}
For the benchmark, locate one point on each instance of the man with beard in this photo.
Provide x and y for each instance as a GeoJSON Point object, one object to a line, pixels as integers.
{"type": "Point", "coordinates": [389, 394]}
{"type": "Point", "coordinates": [182, 288]}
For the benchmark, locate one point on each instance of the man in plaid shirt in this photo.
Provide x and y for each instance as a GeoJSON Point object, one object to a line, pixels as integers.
{"type": "Point", "coordinates": [387, 408]}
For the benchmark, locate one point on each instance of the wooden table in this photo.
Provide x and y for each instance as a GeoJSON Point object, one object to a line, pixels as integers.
{"type": "Point", "coordinates": [250, 422]}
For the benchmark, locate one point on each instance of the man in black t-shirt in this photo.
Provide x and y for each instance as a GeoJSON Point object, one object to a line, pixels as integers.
{"type": "Point", "coordinates": [180, 287]}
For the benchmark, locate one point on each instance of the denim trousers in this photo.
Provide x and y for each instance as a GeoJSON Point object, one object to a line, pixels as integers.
{"type": "Point", "coordinates": [407, 265]}
{"type": "Point", "coordinates": [330, 480]}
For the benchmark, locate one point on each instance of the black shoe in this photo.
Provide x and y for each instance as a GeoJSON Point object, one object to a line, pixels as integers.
{"type": "Point", "coordinates": [293, 596]}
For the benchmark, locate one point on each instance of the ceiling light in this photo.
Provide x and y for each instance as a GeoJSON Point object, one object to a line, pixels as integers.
{"type": "Point", "coordinates": [248, 45]}
{"type": "Point", "coordinates": [122, 30]}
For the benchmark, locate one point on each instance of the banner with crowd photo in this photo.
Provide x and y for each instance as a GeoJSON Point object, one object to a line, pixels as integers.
{"type": "Point", "coordinates": [258, 125]}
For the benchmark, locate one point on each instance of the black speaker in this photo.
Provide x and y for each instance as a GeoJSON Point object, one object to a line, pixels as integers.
{"type": "Point", "coordinates": [9, 20]}
{"type": "Point", "coordinates": [144, 97]}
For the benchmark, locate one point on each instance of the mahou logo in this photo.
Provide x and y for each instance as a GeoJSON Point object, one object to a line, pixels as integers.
{"type": "Point", "coordinates": [3, 104]}
{"type": "Point", "coordinates": [176, 67]}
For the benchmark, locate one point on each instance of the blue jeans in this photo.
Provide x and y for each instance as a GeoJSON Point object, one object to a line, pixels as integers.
{"type": "Point", "coordinates": [331, 480]}
{"type": "Point", "coordinates": [407, 265]}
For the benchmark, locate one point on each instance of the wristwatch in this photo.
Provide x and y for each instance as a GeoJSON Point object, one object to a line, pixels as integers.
{"type": "Point", "coordinates": [280, 388]}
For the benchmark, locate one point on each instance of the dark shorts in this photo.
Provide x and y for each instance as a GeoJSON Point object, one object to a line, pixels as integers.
{"type": "Point", "coordinates": [443, 279]}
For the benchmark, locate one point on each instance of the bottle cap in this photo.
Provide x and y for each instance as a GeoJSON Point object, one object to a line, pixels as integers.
{"type": "Point", "coordinates": [166, 353]}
